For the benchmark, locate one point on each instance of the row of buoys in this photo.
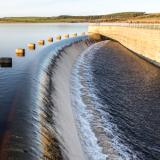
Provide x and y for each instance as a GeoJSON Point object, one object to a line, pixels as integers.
{"type": "Point", "coordinates": [20, 52]}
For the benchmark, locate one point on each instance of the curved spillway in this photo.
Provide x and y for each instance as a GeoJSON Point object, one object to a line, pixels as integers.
{"type": "Point", "coordinates": [80, 100]}
{"type": "Point", "coordinates": [27, 113]}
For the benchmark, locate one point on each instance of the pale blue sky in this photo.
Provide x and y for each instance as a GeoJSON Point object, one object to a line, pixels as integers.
{"type": "Point", "coordinates": [74, 7]}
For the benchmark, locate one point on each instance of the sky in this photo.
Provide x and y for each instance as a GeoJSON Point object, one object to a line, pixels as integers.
{"type": "Point", "coordinates": [13, 8]}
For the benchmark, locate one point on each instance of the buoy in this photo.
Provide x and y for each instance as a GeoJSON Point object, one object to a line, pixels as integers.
{"type": "Point", "coordinates": [58, 37]}
{"type": "Point", "coordinates": [31, 46]}
{"type": "Point", "coordinates": [5, 62]}
{"type": "Point", "coordinates": [66, 35]}
{"type": "Point", "coordinates": [20, 52]}
{"type": "Point", "coordinates": [41, 42]}
{"type": "Point", "coordinates": [50, 39]}
{"type": "Point", "coordinates": [74, 35]}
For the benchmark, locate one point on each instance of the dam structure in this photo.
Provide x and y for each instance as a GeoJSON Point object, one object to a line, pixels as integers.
{"type": "Point", "coordinates": [143, 39]}
{"type": "Point", "coordinates": [89, 97]}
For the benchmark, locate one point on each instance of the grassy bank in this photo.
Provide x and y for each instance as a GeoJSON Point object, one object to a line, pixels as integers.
{"type": "Point", "coordinates": [135, 17]}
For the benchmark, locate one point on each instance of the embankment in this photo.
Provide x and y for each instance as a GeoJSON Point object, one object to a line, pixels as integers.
{"type": "Point", "coordinates": [144, 42]}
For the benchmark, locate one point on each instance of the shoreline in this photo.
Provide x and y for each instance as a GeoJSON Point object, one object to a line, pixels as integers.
{"type": "Point", "coordinates": [121, 17]}
{"type": "Point", "coordinates": [43, 22]}
{"type": "Point", "coordinates": [121, 22]}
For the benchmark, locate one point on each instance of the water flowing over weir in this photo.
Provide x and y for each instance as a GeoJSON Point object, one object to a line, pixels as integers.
{"type": "Point", "coordinates": [28, 110]}
{"type": "Point", "coordinates": [80, 100]}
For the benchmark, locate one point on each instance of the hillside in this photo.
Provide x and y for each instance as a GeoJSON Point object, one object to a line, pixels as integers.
{"type": "Point", "coordinates": [116, 17]}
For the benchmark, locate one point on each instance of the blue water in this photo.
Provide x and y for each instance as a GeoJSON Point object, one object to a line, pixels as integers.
{"type": "Point", "coordinates": [19, 35]}
{"type": "Point", "coordinates": [24, 87]}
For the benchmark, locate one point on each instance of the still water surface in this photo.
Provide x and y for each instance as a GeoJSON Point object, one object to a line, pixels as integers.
{"type": "Point", "coordinates": [14, 36]}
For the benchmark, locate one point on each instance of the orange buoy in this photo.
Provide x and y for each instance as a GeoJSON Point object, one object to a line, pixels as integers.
{"type": "Point", "coordinates": [31, 46]}
{"type": "Point", "coordinates": [20, 52]}
{"type": "Point", "coordinates": [66, 35]}
{"type": "Point", "coordinates": [58, 37]}
{"type": "Point", "coordinates": [50, 39]}
{"type": "Point", "coordinates": [41, 42]}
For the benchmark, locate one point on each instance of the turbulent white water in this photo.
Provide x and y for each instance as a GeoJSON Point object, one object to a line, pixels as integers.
{"type": "Point", "coordinates": [81, 101]}
{"type": "Point", "coordinates": [83, 115]}
{"type": "Point", "coordinates": [94, 130]}
{"type": "Point", "coordinates": [71, 115]}
{"type": "Point", "coordinates": [82, 130]}
{"type": "Point", "coordinates": [65, 123]}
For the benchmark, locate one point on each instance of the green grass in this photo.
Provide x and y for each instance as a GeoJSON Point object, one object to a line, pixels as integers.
{"type": "Point", "coordinates": [116, 17]}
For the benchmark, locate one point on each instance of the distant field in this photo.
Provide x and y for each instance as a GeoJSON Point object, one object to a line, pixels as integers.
{"type": "Point", "coordinates": [132, 17]}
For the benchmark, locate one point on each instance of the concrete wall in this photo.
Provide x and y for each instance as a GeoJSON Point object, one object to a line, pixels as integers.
{"type": "Point", "coordinates": [145, 42]}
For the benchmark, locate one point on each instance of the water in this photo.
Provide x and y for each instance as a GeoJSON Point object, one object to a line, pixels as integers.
{"type": "Point", "coordinates": [26, 123]}
{"type": "Point", "coordinates": [83, 102]}
{"type": "Point", "coordinates": [19, 35]}
{"type": "Point", "coordinates": [116, 94]}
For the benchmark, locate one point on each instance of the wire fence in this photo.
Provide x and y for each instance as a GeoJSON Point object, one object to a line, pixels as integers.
{"type": "Point", "coordinates": [154, 26]}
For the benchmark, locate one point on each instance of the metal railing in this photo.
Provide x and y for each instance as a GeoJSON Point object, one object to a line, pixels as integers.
{"type": "Point", "coordinates": [131, 25]}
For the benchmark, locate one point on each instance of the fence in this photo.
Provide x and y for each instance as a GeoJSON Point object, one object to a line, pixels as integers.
{"type": "Point", "coordinates": [131, 25]}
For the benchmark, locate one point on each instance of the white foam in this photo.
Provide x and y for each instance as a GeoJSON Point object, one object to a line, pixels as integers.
{"type": "Point", "coordinates": [91, 116]}
{"type": "Point", "coordinates": [65, 123]}
{"type": "Point", "coordinates": [88, 138]}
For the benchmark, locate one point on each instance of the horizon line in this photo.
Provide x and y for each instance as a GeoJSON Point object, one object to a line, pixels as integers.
{"type": "Point", "coordinates": [85, 15]}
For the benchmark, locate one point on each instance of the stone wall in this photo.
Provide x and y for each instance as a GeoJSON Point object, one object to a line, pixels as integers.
{"type": "Point", "coordinates": [145, 42]}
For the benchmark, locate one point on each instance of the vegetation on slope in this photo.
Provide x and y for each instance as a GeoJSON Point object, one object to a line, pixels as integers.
{"type": "Point", "coordinates": [116, 17]}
